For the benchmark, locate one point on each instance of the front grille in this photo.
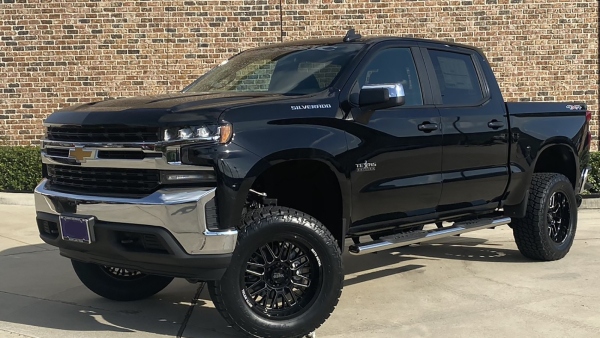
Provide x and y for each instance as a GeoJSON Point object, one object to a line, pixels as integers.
{"type": "Point", "coordinates": [123, 155]}
{"type": "Point", "coordinates": [107, 154]}
{"type": "Point", "coordinates": [103, 134]}
{"type": "Point", "coordinates": [57, 152]}
{"type": "Point", "coordinates": [104, 180]}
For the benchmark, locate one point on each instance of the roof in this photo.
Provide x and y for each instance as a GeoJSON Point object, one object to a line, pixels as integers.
{"type": "Point", "coordinates": [368, 40]}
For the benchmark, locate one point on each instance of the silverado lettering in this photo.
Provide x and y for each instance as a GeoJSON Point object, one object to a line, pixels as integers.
{"type": "Point", "coordinates": [311, 106]}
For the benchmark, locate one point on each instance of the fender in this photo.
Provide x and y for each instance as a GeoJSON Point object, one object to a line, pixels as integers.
{"type": "Point", "coordinates": [255, 150]}
{"type": "Point", "coordinates": [521, 176]}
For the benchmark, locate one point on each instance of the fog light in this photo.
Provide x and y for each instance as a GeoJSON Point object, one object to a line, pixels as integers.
{"type": "Point", "coordinates": [187, 177]}
{"type": "Point", "coordinates": [184, 177]}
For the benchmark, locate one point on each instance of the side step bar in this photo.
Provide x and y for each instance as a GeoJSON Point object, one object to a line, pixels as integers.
{"type": "Point", "coordinates": [421, 236]}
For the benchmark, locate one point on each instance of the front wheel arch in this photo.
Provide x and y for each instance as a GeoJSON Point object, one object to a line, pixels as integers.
{"type": "Point", "coordinates": [312, 185]}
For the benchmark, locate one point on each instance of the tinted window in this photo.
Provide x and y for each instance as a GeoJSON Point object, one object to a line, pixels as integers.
{"type": "Point", "coordinates": [292, 70]}
{"type": "Point", "coordinates": [395, 65]}
{"type": "Point", "coordinates": [456, 75]}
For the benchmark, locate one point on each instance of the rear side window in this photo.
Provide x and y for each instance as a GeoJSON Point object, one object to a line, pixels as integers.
{"type": "Point", "coordinates": [457, 77]}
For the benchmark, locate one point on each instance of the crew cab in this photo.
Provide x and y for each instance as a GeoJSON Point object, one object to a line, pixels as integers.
{"type": "Point", "coordinates": [253, 177]}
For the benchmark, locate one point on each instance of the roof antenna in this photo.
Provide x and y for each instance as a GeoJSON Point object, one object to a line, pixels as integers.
{"type": "Point", "coordinates": [351, 36]}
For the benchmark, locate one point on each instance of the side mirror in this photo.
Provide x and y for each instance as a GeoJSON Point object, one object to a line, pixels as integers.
{"type": "Point", "coordinates": [381, 96]}
{"type": "Point", "coordinates": [377, 96]}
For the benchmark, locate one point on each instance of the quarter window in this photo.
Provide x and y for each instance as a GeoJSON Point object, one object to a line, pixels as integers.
{"type": "Point", "coordinates": [457, 78]}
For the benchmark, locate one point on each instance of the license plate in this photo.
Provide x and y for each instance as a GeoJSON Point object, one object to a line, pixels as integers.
{"type": "Point", "coordinates": [75, 229]}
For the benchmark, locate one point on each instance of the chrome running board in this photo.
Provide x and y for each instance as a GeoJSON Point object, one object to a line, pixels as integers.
{"type": "Point", "coordinates": [421, 236]}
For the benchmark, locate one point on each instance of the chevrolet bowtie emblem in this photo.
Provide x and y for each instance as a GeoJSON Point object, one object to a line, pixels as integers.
{"type": "Point", "coordinates": [80, 154]}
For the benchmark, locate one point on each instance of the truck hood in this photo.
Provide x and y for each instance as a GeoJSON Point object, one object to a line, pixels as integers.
{"type": "Point", "coordinates": [160, 110]}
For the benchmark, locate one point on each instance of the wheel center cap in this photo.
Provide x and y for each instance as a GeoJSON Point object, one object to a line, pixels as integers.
{"type": "Point", "coordinates": [278, 276]}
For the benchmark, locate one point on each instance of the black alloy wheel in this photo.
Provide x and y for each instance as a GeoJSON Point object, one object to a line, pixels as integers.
{"type": "Point", "coordinates": [548, 229]}
{"type": "Point", "coordinates": [285, 277]}
{"type": "Point", "coordinates": [281, 279]}
{"type": "Point", "coordinates": [122, 274]}
{"type": "Point", "coordinates": [559, 217]}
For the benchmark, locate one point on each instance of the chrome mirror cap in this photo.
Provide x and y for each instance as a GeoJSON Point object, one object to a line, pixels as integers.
{"type": "Point", "coordinates": [396, 90]}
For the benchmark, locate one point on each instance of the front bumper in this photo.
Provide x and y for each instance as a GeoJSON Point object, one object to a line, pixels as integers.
{"type": "Point", "coordinates": [170, 225]}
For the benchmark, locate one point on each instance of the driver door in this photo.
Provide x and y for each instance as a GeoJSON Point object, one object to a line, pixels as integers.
{"type": "Point", "coordinates": [398, 151]}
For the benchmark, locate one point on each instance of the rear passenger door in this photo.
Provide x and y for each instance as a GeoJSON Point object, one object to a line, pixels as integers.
{"type": "Point", "coordinates": [474, 127]}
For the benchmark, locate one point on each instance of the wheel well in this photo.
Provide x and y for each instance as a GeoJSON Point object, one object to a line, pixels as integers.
{"type": "Point", "coordinates": [557, 159]}
{"type": "Point", "coordinates": [309, 186]}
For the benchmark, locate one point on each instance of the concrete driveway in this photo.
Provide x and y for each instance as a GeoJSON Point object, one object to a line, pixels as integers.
{"type": "Point", "coordinates": [476, 285]}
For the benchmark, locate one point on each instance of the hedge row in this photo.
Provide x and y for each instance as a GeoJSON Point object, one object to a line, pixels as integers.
{"type": "Point", "coordinates": [594, 178]}
{"type": "Point", "coordinates": [21, 169]}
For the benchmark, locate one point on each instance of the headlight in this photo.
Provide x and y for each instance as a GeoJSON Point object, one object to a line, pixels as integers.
{"type": "Point", "coordinates": [210, 132]}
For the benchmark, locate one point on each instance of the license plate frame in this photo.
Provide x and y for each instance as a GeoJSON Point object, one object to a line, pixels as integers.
{"type": "Point", "coordinates": [76, 229]}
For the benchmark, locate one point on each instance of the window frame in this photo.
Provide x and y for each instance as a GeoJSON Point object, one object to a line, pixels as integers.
{"type": "Point", "coordinates": [371, 53]}
{"type": "Point", "coordinates": [435, 86]}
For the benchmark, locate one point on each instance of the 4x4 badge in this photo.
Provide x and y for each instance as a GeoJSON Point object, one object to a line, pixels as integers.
{"type": "Point", "coordinates": [80, 154]}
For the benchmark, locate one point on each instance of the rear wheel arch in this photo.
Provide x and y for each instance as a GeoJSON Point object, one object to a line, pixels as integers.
{"type": "Point", "coordinates": [557, 158]}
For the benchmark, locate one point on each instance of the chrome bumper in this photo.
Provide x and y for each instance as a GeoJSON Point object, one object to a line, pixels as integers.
{"type": "Point", "coordinates": [180, 211]}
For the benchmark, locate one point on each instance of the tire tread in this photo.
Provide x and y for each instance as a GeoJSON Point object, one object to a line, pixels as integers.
{"type": "Point", "coordinates": [253, 221]}
{"type": "Point", "coordinates": [530, 230]}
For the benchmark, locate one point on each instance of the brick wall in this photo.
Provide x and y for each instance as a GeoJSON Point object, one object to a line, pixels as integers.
{"type": "Point", "coordinates": [56, 53]}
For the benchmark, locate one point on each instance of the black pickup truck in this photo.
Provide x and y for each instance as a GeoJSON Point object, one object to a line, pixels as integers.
{"type": "Point", "coordinates": [255, 175]}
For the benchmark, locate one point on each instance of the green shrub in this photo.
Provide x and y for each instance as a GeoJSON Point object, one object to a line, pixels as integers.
{"type": "Point", "coordinates": [20, 168]}
{"type": "Point", "coordinates": [594, 177]}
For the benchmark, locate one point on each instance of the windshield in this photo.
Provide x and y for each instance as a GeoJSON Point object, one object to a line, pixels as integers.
{"type": "Point", "coordinates": [289, 70]}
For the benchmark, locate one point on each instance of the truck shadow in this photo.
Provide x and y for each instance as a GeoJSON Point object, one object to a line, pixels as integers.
{"type": "Point", "coordinates": [44, 292]}
{"type": "Point", "coordinates": [456, 247]}
{"type": "Point", "coordinates": [41, 296]}
{"type": "Point", "coordinates": [460, 248]}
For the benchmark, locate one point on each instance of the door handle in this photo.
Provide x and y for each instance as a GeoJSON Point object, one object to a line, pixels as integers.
{"type": "Point", "coordinates": [495, 124]}
{"type": "Point", "coordinates": [428, 127]}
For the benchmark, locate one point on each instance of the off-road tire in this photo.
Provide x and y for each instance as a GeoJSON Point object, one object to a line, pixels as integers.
{"type": "Point", "coordinates": [131, 285]}
{"type": "Point", "coordinates": [532, 231]}
{"type": "Point", "coordinates": [272, 225]}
